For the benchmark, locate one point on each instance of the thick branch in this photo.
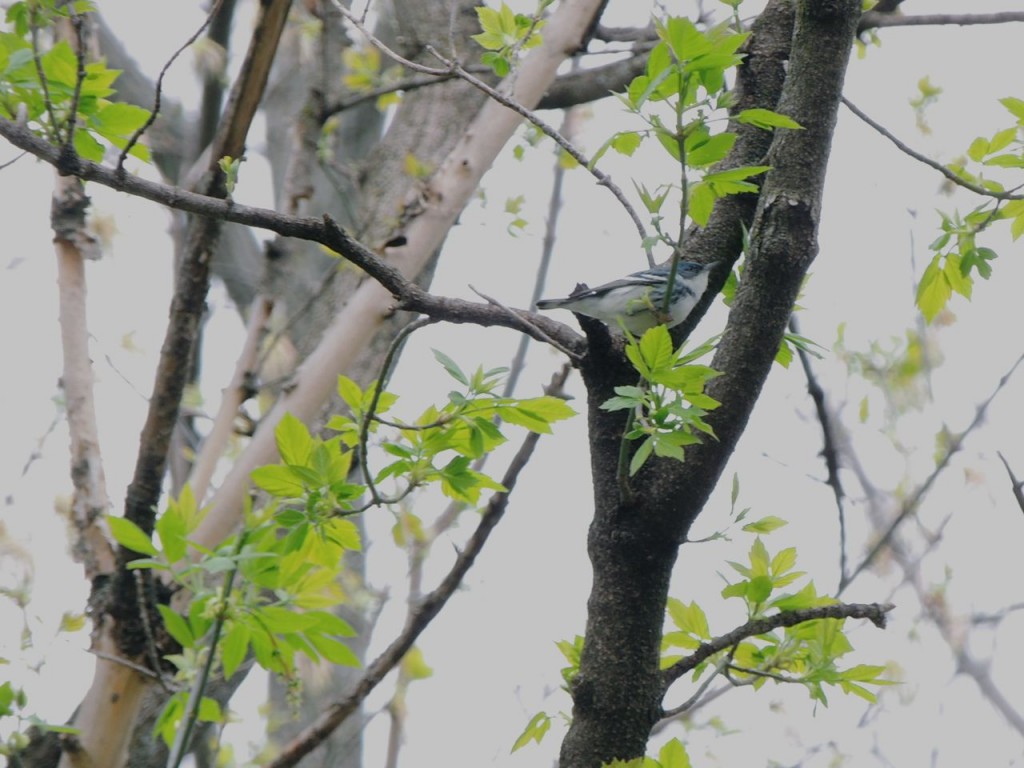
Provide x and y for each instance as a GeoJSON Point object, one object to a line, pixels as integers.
{"type": "Point", "coordinates": [90, 501]}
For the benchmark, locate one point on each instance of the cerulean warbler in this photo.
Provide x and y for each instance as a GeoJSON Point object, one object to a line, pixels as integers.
{"type": "Point", "coordinates": [638, 300]}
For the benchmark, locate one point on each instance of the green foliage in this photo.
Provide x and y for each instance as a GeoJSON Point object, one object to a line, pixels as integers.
{"type": "Point", "coordinates": [791, 341]}
{"type": "Point", "coordinates": [957, 255]}
{"type": "Point", "coordinates": [364, 73]}
{"type": "Point", "coordinates": [669, 404]}
{"type": "Point", "coordinates": [52, 90]}
{"type": "Point", "coordinates": [680, 96]}
{"type": "Point", "coordinates": [506, 33]}
{"type": "Point", "coordinates": [440, 445]}
{"type": "Point", "coordinates": [279, 577]}
{"type": "Point", "coordinates": [804, 654]}
{"type": "Point", "coordinates": [672, 755]}
{"type": "Point", "coordinates": [539, 725]}
{"type": "Point", "coordinates": [16, 720]}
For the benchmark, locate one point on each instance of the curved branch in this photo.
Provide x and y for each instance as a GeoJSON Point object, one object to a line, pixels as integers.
{"type": "Point", "coordinates": [324, 231]}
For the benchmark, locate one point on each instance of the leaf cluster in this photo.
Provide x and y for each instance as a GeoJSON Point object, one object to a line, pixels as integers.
{"type": "Point", "coordinates": [804, 654]}
{"type": "Point", "coordinates": [52, 90]}
{"type": "Point", "coordinates": [669, 404]}
{"type": "Point", "coordinates": [680, 96]}
{"type": "Point", "coordinates": [506, 33]}
{"type": "Point", "coordinates": [957, 256]}
{"type": "Point", "coordinates": [440, 445]}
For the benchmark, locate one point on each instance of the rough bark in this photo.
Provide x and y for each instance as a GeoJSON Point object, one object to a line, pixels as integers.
{"type": "Point", "coordinates": [634, 537]}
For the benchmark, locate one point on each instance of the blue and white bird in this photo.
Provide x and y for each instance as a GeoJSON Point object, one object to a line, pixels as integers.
{"type": "Point", "coordinates": [638, 300]}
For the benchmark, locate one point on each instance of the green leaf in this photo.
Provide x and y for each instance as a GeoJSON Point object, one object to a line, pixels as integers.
{"type": "Point", "coordinates": [1015, 106]}
{"type": "Point", "coordinates": [689, 618]}
{"type": "Point", "coordinates": [130, 536]}
{"type": "Point", "coordinates": [640, 457]}
{"type": "Point", "coordinates": [209, 710]}
{"type": "Point", "coordinates": [626, 142]}
{"type": "Point", "coordinates": [784, 354]}
{"type": "Point", "coordinates": [233, 648]}
{"type": "Point", "coordinates": [88, 147]}
{"type": "Point", "coordinates": [176, 626]}
{"type": "Point", "coordinates": [934, 290]}
{"type": "Point", "coordinates": [655, 347]}
{"type": "Point", "coordinates": [170, 527]}
{"type": "Point", "coordinates": [766, 118]}
{"type": "Point", "coordinates": [711, 151]}
{"type": "Point", "coordinates": [350, 392]}
{"type": "Point", "coordinates": [702, 202]}
{"type": "Point", "coordinates": [449, 365]}
{"type": "Point", "coordinates": [534, 731]}
{"type": "Point", "coordinates": [673, 755]}
{"type": "Point", "coordinates": [978, 149]}
{"type": "Point", "coordinates": [293, 441]}
{"type": "Point", "coordinates": [765, 524]}
{"type": "Point", "coordinates": [119, 119]}
{"type": "Point", "coordinates": [334, 651]}
{"type": "Point", "coordinates": [278, 480]}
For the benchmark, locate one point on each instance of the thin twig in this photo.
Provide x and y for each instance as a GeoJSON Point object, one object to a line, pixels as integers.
{"type": "Point", "coordinates": [1017, 485]}
{"type": "Point", "coordinates": [236, 393]}
{"type": "Point", "coordinates": [452, 67]}
{"type": "Point", "coordinates": [43, 82]}
{"type": "Point", "coordinates": [906, 149]}
{"type": "Point", "coordinates": [190, 717]}
{"type": "Point", "coordinates": [830, 447]}
{"type": "Point", "coordinates": [320, 230]}
{"type": "Point", "coordinates": [913, 502]}
{"type": "Point", "coordinates": [142, 670]}
{"type": "Point", "coordinates": [364, 425]}
{"type": "Point", "coordinates": [527, 325]}
{"type": "Point", "coordinates": [76, 25]}
{"type": "Point", "coordinates": [692, 701]}
{"type": "Point", "coordinates": [159, 86]}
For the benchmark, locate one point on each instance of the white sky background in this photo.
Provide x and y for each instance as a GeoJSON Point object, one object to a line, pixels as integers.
{"type": "Point", "coordinates": [493, 648]}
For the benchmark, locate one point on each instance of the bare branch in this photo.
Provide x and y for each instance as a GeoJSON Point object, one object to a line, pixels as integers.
{"type": "Point", "coordinates": [423, 614]}
{"type": "Point", "coordinates": [192, 281]}
{"type": "Point", "coordinates": [155, 112]}
{"type": "Point", "coordinates": [90, 501]}
{"type": "Point", "coordinates": [830, 448]}
{"type": "Point", "coordinates": [236, 393]}
{"type": "Point", "coordinates": [1015, 484]}
{"type": "Point", "coordinates": [911, 504]}
{"type": "Point", "coordinates": [906, 149]}
{"type": "Point", "coordinates": [873, 19]}
{"type": "Point", "coordinates": [452, 67]}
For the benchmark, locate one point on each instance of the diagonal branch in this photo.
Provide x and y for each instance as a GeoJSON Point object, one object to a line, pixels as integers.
{"type": "Point", "coordinates": [913, 502]}
{"type": "Point", "coordinates": [830, 447]}
{"type": "Point", "coordinates": [906, 149]}
{"type": "Point", "coordinates": [323, 230]}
